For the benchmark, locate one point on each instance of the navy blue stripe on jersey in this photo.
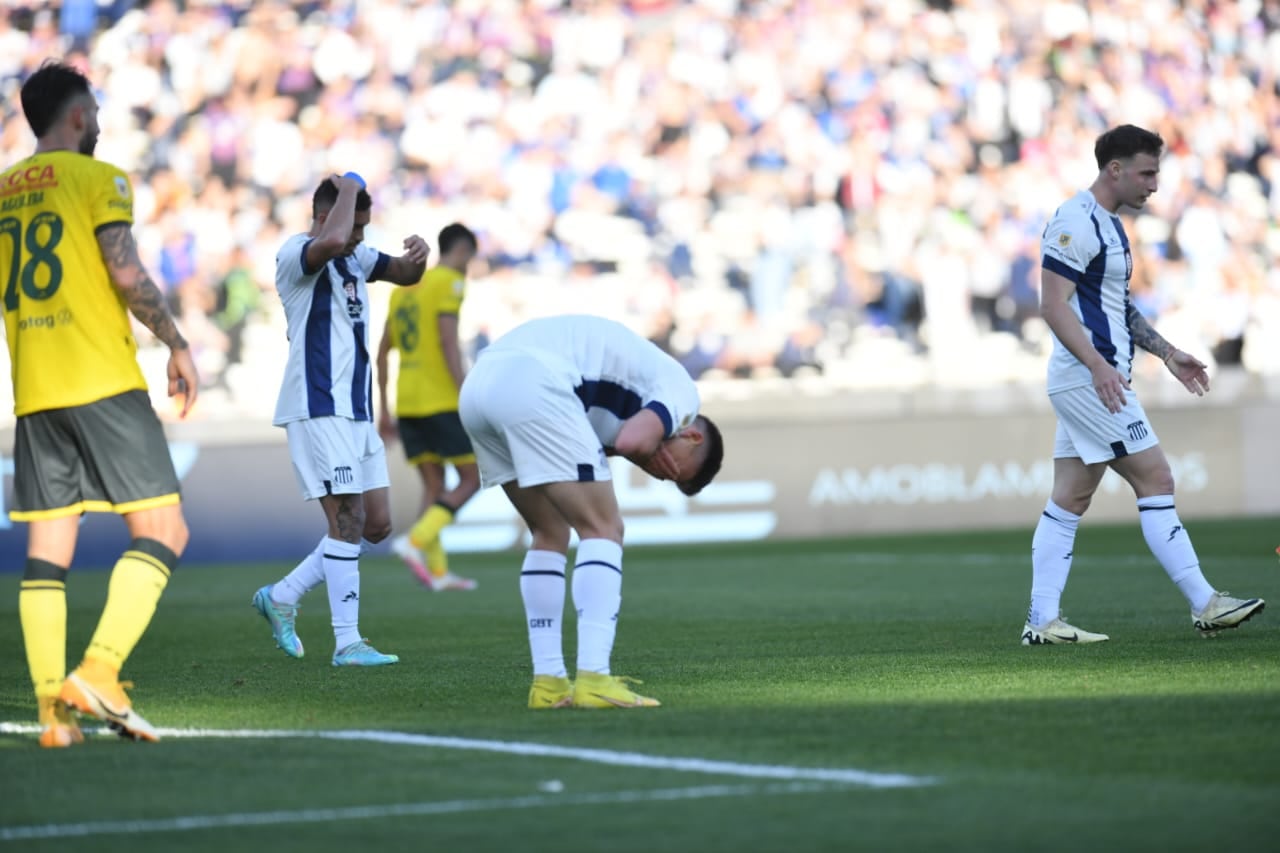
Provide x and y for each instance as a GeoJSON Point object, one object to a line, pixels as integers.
{"type": "Point", "coordinates": [663, 415]}
{"type": "Point", "coordinates": [317, 354]}
{"type": "Point", "coordinates": [302, 259]}
{"type": "Point", "coordinates": [1089, 293]}
{"type": "Point", "coordinates": [1054, 265]}
{"type": "Point", "coordinates": [603, 394]}
{"type": "Point", "coordinates": [361, 386]}
{"type": "Point", "coordinates": [379, 266]}
{"type": "Point", "coordinates": [1128, 269]}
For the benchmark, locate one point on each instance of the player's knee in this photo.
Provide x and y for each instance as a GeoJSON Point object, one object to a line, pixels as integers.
{"type": "Point", "coordinates": [543, 541]}
{"type": "Point", "coordinates": [377, 530]}
{"type": "Point", "coordinates": [611, 529]}
{"type": "Point", "coordinates": [1162, 483]}
{"type": "Point", "coordinates": [550, 537]}
{"type": "Point", "coordinates": [165, 525]}
{"type": "Point", "coordinates": [1075, 503]}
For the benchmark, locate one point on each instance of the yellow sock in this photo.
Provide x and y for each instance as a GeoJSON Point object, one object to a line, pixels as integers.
{"type": "Point", "coordinates": [427, 529]}
{"type": "Point", "coordinates": [437, 559]}
{"type": "Point", "coordinates": [42, 609]}
{"type": "Point", "coordinates": [137, 580]}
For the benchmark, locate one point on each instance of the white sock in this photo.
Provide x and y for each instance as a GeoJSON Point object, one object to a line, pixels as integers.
{"type": "Point", "coordinates": [1169, 542]}
{"type": "Point", "coordinates": [305, 577]}
{"type": "Point", "coordinates": [365, 546]}
{"type": "Point", "coordinates": [542, 588]}
{"type": "Point", "coordinates": [1051, 549]}
{"type": "Point", "coordinates": [597, 595]}
{"type": "Point", "coordinates": [342, 575]}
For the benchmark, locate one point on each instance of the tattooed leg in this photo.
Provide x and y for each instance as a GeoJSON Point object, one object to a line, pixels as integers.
{"type": "Point", "coordinates": [346, 516]}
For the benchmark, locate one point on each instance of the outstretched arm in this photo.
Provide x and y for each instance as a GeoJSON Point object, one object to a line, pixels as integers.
{"type": "Point", "coordinates": [1189, 370]}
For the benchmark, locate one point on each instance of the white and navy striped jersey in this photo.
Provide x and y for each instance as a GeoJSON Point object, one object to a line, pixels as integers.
{"type": "Point", "coordinates": [612, 370]}
{"type": "Point", "coordinates": [1086, 244]}
{"type": "Point", "coordinates": [328, 372]}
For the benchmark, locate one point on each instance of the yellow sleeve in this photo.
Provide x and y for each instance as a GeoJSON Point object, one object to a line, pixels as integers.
{"type": "Point", "coordinates": [110, 197]}
{"type": "Point", "coordinates": [450, 295]}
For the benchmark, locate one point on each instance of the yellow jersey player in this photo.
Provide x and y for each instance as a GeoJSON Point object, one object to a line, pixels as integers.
{"type": "Point", "coordinates": [87, 439]}
{"type": "Point", "coordinates": [422, 325]}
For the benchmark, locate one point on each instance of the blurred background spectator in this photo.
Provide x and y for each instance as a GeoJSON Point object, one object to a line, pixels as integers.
{"type": "Point", "coordinates": [842, 192]}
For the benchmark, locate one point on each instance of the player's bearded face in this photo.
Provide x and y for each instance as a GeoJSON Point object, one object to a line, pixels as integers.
{"type": "Point", "coordinates": [89, 137]}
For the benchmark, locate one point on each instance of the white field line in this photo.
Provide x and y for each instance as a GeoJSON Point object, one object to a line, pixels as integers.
{"type": "Point", "coordinates": [189, 823]}
{"type": "Point", "coordinates": [848, 776]}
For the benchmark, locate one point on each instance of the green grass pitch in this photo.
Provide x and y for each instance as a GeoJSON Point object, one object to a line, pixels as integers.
{"type": "Point", "coordinates": [889, 655]}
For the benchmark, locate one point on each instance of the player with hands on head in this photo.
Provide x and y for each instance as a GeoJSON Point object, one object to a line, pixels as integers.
{"type": "Point", "coordinates": [326, 407]}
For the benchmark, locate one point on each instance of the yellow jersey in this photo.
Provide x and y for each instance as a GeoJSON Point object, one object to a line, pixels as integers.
{"type": "Point", "coordinates": [70, 341]}
{"type": "Point", "coordinates": [424, 385]}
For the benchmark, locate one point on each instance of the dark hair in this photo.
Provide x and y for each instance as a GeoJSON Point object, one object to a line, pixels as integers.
{"type": "Point", "coordinates": [327, 193]}
{"type": "Point", "coordinates": [48, 92]}
{"type": "Point", "coordinates": [710, 465]}
{"type": "Point", "coordinates": [450, 235]}
{"type": "Point", "coordinates": [1125, 141]}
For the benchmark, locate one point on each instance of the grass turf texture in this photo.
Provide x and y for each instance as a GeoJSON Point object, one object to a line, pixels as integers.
{"type": "Point", "coordinates": [886, 654]}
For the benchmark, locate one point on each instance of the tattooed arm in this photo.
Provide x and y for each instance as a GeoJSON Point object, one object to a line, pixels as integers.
{"type": "Point", "coordinates": [141, 294]}
{"type": "Point", "coordinates": [1186, 368]}
{"type": "Point", "coordinates": [1145, 337]}
{"type": "Point", "coordinates": [146, 302]}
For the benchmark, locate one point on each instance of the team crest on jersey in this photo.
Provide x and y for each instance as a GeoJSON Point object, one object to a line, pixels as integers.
{"type": "Point", "coordinates": [122, 186]}
{"type": "Point", "coordinates": [354, 306]}
{"type": "Point", "coordinates": [1064, 240]}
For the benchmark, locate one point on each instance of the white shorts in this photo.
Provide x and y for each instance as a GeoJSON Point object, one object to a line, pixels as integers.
{"type": "Point", "coordinates": [336, 456]}
{"type": "Point", "coordinates": [1087, 431]}
{"type": "Point", "coordinates": [526, 424]}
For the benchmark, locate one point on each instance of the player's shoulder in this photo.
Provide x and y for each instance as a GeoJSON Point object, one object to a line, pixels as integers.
{"type": "Point", "coordinates": [94, 171]}
{"type": "Point", "coordinates": [442, 277]}
{"type": "Point", "coordinates": [1075, 222]}
{"type": "Point", "coordinates": [1079, 211]}
{"type": "Point", "coordinates": [292, 246]}
{"type": "Point", "coordinates": [289, 260]}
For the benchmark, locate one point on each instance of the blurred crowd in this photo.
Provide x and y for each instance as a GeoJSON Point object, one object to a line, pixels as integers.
{"type": "Point", "coordinates": [845, 189]}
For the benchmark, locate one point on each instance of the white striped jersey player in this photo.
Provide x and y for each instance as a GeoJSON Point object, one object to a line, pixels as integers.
{"type": "Point", "coordinates": [1087, 245]}
{"type": "Point", "coordinates": [328, 379]}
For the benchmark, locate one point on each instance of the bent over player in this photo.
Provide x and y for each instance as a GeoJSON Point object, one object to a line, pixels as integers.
{"type": "Point", "coordinates": [1085, 300]}
{"type": "Point", "coordinates": [87, 438]}
{"type": "Point", "coordinates": [326, 408]}
{"type": "Point", "coordinates": [545, 405]}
